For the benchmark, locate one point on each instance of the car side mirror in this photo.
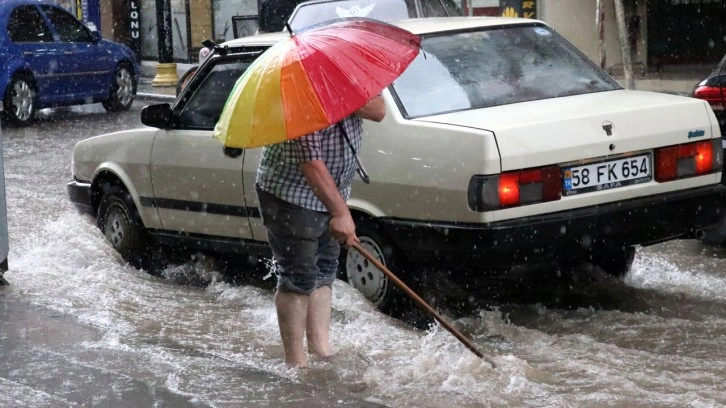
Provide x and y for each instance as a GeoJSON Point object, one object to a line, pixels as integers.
{"type": "Point", "coordinates": [96, 36]}
{"type": "Point", "coordinates": [158, 116]}
{"type": "Point", "coordinates": [232, 152]}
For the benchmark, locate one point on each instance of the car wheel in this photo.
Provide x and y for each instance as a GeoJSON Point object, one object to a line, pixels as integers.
{"type": "Point", "coordinates": [120, 223]}
{"type": "Point", "coordinates": [715, 236]}
{"type": "Point", "coordinates": [184, 80]}
{"type": "Point", "coordinates": [123, 90]}
{"type": "Point", "coordinates": [364, 276]}
{"type": "Point", "coordinates": [615, 262]}
{"type": "Point", "coordinates": [20, 101]}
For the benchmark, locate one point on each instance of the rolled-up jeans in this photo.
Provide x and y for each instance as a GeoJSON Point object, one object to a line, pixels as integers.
{"type": "Point", "coordinates": [305, 252]}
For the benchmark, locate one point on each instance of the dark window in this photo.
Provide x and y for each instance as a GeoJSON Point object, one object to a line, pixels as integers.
{"type": "Point", "coordinates": [722, 64]}
{"type": "Point", "coordinates": [205, 105]}
{"type": "Point", "coordinates": [451, 8]}
{"type": "Point", "coordinates": [68, 27]}
{"type": "Point", "coordinates": [439, 8]}
{"type": "Point", "coordinates": [26, 25]}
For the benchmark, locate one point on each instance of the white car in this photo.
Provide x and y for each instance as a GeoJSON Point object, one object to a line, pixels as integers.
{"type": "Point", "coordinates": [502, 145]}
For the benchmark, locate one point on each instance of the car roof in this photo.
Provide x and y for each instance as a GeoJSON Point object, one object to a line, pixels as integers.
{"type": "Point", "coordinates": [414, 25]}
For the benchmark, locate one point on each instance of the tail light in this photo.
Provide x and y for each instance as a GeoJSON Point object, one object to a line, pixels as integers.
{"type": "Point", "coordinates": [688, 160]}
{"type": "Point", "coordinates": [515, 188]}
{"type": "Point", "coordinates": [712, 94]}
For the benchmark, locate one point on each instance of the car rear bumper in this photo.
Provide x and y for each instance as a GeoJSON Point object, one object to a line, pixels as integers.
{"type": "Point", "coordinates": [571, 234]}
{"type": "Point", "coordinates": [80, 195]}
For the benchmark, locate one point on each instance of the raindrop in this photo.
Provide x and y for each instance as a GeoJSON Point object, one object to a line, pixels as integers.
{"type": "Point", "coordinates": [586, 241]}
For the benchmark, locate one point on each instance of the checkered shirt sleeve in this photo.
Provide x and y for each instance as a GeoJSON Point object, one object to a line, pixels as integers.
{"type": "Point", "coordinates": [279, 172]}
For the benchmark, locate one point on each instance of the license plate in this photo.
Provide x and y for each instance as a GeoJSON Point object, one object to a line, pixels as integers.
{"type": "Point", "coordinates": [607, 174]}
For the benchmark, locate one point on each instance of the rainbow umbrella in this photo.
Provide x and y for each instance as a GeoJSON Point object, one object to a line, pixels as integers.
{"type": "Point", "coordinates": [314, 79]}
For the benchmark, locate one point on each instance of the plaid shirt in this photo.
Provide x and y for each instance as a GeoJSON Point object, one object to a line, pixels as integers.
{"type": "Point", "coordinates": [279, 174]}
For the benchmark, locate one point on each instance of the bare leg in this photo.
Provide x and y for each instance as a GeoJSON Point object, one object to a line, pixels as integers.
{"type": "Point", "coordinates": [292, 311]}
{"type": "Point", "coordinates": [318, 322]}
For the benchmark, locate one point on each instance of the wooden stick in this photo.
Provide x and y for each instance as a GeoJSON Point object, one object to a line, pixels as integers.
{"type": "Point", "coordinates": [422, 303]}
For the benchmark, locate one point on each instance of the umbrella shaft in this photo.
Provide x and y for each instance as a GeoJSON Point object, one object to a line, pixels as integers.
{"type": "Point", "coordinates": [361, 170]}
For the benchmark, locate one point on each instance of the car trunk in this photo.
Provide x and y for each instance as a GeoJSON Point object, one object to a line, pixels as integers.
{"type": "Point", "coordinates": [590, 126]}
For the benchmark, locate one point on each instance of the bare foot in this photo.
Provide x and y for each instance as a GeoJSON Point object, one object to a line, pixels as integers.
{"type": "Point", "coordinates": [323, 357]}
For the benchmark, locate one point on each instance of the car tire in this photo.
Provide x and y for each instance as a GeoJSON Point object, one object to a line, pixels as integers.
{"type": "Point", "coordinates": [184, 80]}
{"type": "Point", "coordinates": [19, 101]}
{"type": "Point", "coordinates": [615, 262]}
{"type": "Point", "coordinates": [120, 223]}
{"type": "Point", "coordinates": [123, 90]}
{"type": "Point", "coordinates": [365, 277]}
{"type": "Point", "coordinates": [716, 235]}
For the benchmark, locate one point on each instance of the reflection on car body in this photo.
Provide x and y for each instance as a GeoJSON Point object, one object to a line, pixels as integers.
{"type": "Point", "coordinates": [457, 174]}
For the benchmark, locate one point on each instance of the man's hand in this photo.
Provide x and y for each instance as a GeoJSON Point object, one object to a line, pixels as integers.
{"type": "Point", "coordinates": [374, 110]}
{"type": "Point", "coordinates": [342, 229]}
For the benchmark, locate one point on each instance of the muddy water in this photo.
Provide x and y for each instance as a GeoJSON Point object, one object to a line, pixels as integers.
{"type": "Point", "coordinates": [653, 339]}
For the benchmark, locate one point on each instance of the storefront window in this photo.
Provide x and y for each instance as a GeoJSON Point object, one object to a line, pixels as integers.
{"type": "Point", "coordinates": [149, 42]}
{"type": "Point", "coordinates": [149, 30]}
{"type": "Point", "coordinates": [225, 10]}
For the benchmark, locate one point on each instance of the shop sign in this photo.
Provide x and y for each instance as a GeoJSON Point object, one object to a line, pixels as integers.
{"type": "Point", "coordinates": [134, 40]}
{"type": "Point", "coordinates": [518, 8]}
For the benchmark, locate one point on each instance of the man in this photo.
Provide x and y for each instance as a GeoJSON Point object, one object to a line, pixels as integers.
{"type": "Point", "coordinates": [303, 185]}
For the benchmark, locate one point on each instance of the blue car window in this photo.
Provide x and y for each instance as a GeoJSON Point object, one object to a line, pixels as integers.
{"type": "Point", "coordinates": [26, 25]}
{"type": "Point", "coordinates": [68, 27]}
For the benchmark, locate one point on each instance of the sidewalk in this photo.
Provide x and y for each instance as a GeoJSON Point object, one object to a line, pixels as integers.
{"type": "Point", "coordinates": [145, 90]}
{"type": "Point", "coordinates": [676, 79]}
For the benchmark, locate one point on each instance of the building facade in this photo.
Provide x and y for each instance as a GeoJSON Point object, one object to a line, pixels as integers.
{"type": "Point", "coordinates": [660, 32]}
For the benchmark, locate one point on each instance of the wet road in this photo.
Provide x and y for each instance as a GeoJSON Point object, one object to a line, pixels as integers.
{"type": "Point", "coordinates": [82, 328]}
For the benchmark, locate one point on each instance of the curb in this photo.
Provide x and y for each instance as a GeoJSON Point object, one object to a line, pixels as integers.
{"type": "Point", "coordinates": [147, 96]}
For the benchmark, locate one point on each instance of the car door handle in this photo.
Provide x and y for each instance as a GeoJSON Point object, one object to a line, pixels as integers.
{"type": "Point", "coordinates": [28, 53]}
{"type": "Point", "coordinates": [68, 53]}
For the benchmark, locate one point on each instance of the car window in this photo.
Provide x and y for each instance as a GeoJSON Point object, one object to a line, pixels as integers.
{"type": "Point", "coordinates": [205, 104]}
{"type": "Point", "coordinates": [489, 67]}
{"type": "Point", "coordinates": [722, 64]}
{"type": "Point", "coordinates": [26, 25]}
{"type": "Point", "coordinates": [310, 14]}
{"type": "Point", "coordinates": [68, 27]}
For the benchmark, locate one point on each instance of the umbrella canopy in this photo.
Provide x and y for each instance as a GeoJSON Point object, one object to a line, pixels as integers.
{"type": "Point", "coordinates": [312, 80]}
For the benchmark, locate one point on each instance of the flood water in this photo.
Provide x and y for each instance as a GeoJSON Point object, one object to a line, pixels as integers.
{"type": "Point", "coordinates": [656, 338]}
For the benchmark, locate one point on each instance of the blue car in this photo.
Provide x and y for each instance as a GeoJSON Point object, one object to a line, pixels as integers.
{"type": "Point", "coordinates": [48, 58]}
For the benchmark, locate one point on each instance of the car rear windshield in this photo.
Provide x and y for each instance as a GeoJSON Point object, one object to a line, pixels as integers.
{"type": "Point", "coordinates": [496, 66]}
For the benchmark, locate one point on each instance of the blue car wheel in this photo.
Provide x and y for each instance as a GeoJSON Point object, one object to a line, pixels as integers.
{"type": "Point", "coordinates": [20, 100]}
{"type": "Point", "coordinates": [123, 90]}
